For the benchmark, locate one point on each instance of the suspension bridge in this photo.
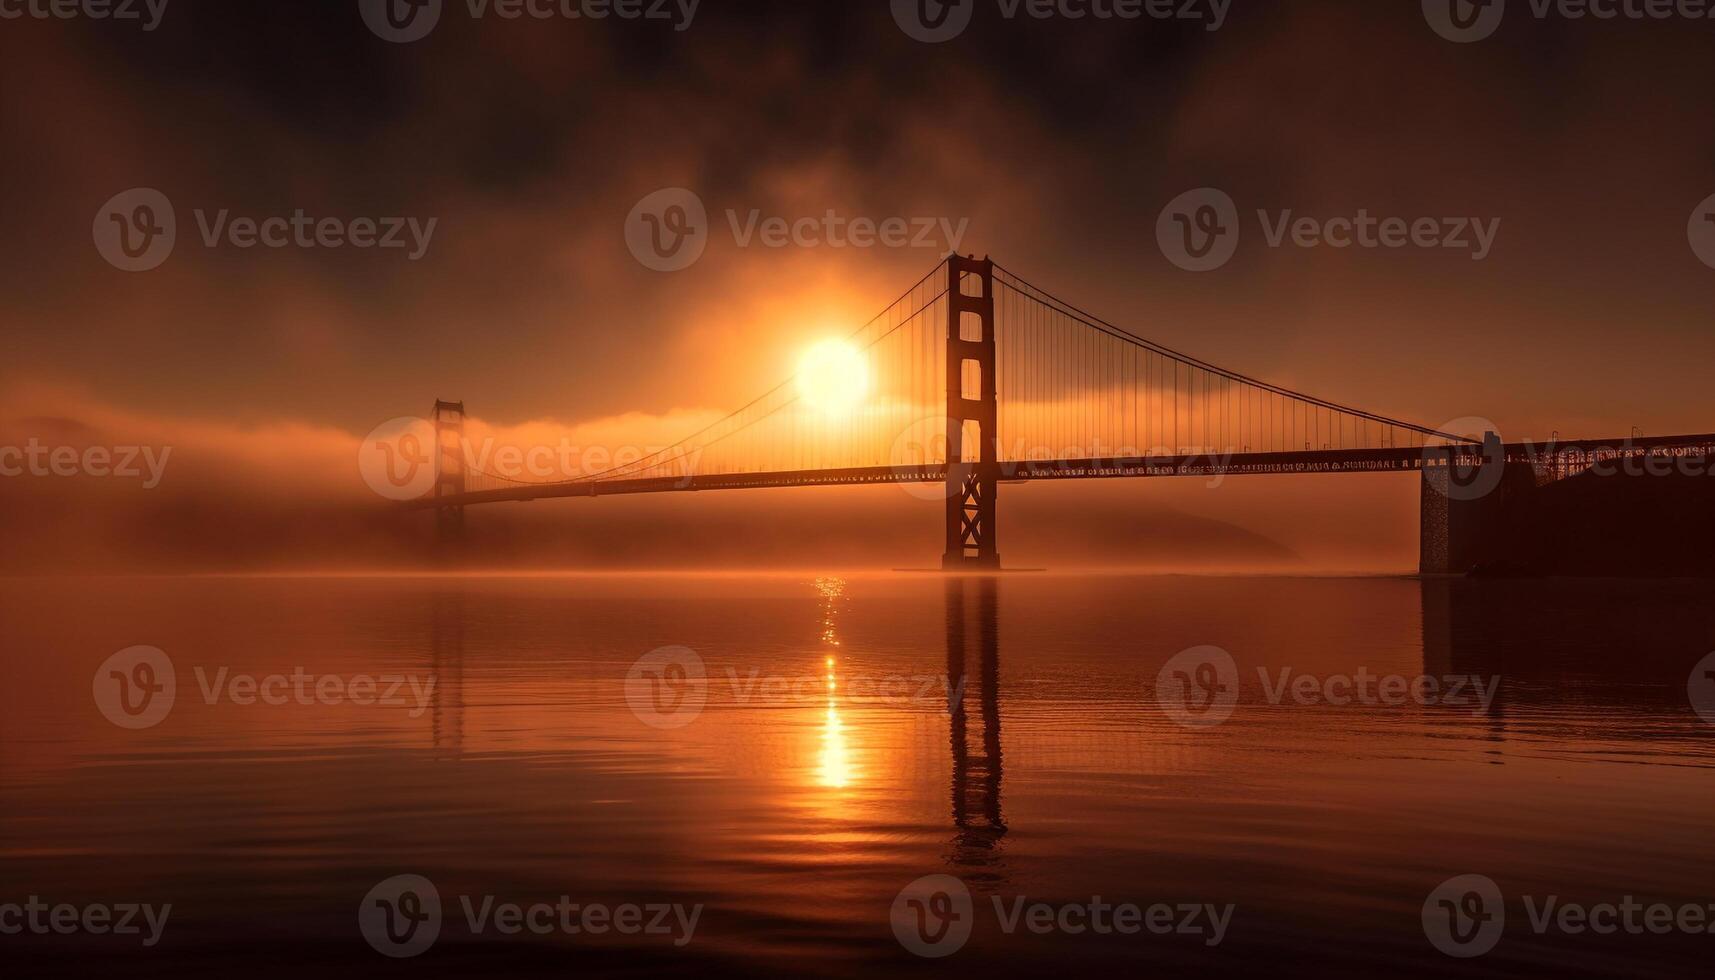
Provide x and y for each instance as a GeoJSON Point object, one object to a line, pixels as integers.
{"type": "Point", "coordinates": [979, 378]}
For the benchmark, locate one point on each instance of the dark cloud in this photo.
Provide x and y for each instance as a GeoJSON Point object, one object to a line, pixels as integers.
{"type": "Point", "coordinates": [1059, 141]}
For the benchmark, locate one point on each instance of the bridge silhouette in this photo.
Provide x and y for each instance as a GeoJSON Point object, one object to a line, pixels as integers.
{"type": "Point", "coordinates": [979, 378]}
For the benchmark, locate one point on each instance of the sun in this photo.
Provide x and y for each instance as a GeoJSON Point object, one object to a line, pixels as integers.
{"type": "Point", "coordinates": [833, 377]}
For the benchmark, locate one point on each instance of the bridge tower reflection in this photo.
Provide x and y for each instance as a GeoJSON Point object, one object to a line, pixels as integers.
{"type": "Point", "coordinates": [446, 668]}
{"type": "Point", "coordinates": [972, 608]}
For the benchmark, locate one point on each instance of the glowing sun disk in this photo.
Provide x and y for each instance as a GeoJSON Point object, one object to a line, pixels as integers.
{"type": "Point", "coordinates": [833, 377]}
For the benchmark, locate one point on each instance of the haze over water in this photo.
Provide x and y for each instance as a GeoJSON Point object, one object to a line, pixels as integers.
{"type": "Point", "coordinates": [855, 734]}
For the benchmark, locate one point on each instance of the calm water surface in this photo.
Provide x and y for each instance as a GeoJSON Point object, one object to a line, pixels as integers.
{"type": "Point", "coordinates": [854, 734]}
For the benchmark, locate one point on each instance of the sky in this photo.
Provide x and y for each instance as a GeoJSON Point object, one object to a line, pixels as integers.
{"type": "Point", "coordinates": [1052, 144]}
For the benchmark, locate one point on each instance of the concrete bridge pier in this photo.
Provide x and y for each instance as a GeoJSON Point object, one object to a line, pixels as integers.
{"type": "Point", "coordinates": [1464, 506]}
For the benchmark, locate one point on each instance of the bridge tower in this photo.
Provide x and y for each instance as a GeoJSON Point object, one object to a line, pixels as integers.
{"type": "Point", "coordinates": [449, 467]}
{"type": "Point", "coordinates": [973, 444]}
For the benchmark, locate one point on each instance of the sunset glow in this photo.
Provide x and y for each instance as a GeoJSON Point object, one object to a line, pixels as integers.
{"type": "Point", "coordinates": [833, 377]}
{"type": "Point", "coordinates": [615, 488]}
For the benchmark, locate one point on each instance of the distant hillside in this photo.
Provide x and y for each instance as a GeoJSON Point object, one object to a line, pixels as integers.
{"type": "Point", "coordinates": [1636, 526]}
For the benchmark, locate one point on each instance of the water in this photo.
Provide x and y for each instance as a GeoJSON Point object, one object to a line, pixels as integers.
{"type": "Point", "coordinates": [1006, 732]}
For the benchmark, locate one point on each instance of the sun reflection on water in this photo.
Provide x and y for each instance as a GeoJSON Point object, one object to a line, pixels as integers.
{"type": "Point", "coordinates": [836, 769]}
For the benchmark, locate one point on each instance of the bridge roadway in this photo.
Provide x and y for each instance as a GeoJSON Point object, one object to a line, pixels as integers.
{"type": "Point", "coordinates": [1563, 456]}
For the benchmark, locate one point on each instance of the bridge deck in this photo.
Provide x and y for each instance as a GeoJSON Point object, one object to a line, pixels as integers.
{"type": "Point", "coordinates": [1573, 454]}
